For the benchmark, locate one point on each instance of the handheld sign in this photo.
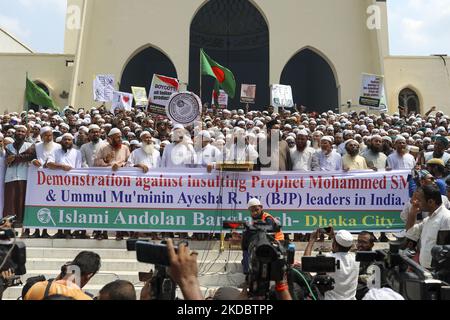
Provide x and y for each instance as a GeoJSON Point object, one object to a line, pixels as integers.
{"type": "Point", "coordinates": [184, 108]}
{"type": "Point", "coordinates": [122, 100]}
{"type": "Point", "coordinates": [161, 90]}
{"type": "Point", "coordinates": [140, 96]}
{"type": "Point", "coordinates": [222, 99]}
{"type": "Point", "coordinates": [103, 88]}
{"type": "Point", "coordinates": [281, 96]}
{"type": "Point", "coordinates": [248, 93]}
{"type": "Point", "coordinates": [371, 90]}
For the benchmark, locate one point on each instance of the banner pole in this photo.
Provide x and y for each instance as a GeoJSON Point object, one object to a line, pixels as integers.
{"type": "Point", "coordinates": [201, 99]}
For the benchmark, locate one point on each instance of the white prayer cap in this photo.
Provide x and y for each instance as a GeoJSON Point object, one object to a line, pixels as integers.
{"type": "Point", "coordinates": [45, 130]}
{"type": "Point", "coordinates": [165, 142]}
{"type": "Point", "coordinates": [145, 133]}
{"type": "Point", "coordinates": [67, 135]}
{"type": "Point", "coordinates": [376, 136]}
{"type": "Point", "coordinates": [114, 131]}
{"type": "Point", "coordinates": [382, 294]}
{"type": "Point", "coordinates": [20, 127]}
{"type": "Point", "coordinates": [134, 143]}
{"type": "Point", "coordinates": [399, 138]}
{"type": "Point", "coordinates": [327, 138]}
{"type": "Point", "coordinates": [205, 134]}
{"type": "Point", "coordinates": [302, 133]}
{"type": "Point", "coordinates": [64, 125]}
{"type": "Point", "coordinates": [254, 202]}
{"type": "Point", "coordinates": [58, 140]}
{"type": "Point", "coordinates": [414, 149]}
{"type": "Point", "coordinates": [177, 126]}
{"type": "Point", "coordinates": [84, 129]}
{"type": "Point", "coordinates": [94, 127]}
{"type": "Point", "coordinates": [290, 138]}
{"type": "Point", "coordinates": [9, 139]}
{"type": "Point", "coordinates": [344, 238]}
{"type": "Point", "coordinates": [386, 138]}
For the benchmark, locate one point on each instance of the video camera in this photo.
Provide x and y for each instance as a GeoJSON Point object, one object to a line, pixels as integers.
{"type": "Point", "coordinates": [404, 275]}
{"type": "Point", "coordinates": [162, 286]}
{"type": "Point", "coordinates": [12, 254]}
{"type": "Point", "coordinates": [321, 265]}
{"type": "Point", "coordinates": [266, 256]}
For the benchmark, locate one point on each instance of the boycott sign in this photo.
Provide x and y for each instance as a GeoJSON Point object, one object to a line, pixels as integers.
{"type": "Point", "coordinates": [161, 90]}
{"type": "Point", "coordinates": [248, 93]}
{"type": "Point", "coordinates": [195, 201]}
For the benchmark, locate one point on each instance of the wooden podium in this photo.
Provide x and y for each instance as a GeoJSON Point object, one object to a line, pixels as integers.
{"type": "Point", "coordinates": [235, 166]}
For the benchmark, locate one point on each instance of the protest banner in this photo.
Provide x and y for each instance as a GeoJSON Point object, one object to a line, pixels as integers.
{"type": "Point", "coordinates": [371, 90]}
{"type": "Point", "coordinates": [122, 100]}
{"type": "Point", "coordinates": [195, 201]}
{"type": "Point", "coordinates": [161, 89]}
{"type": "Point", "coordinates": [281, 96]}
{"type": "Point", "coordinates": [248, 93]}
{"type": "Point", "coordinates": [140, 96]}
{"type": "Point", "coordinates": [222, 99]}
{"type": "Point", "coordinates": [104, 88]}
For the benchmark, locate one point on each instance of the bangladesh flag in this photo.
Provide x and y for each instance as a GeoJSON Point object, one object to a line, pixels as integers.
{"type": "Point", "coordinates": [224, 76]}
{"type": "Point", "coordinates": [38, 96]}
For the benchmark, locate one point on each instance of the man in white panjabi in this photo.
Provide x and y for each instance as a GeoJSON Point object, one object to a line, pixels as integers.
{"type": "Point", "coordinates": [146, 157]}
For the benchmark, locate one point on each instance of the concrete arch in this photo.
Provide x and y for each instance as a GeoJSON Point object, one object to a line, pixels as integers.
{"type": "Point", "coordinates": [142, 48]}
{"type": "Point", "coordinates": [314, 79]}
{"type": "Point", "coordinates": [253, 2]}
{"type": "Point", "coordinates": [323, 56]}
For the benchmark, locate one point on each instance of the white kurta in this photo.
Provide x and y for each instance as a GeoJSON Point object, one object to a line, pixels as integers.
{"type": "Point", "coordinates": [138, 156]}
{"type": "Point", "coordinates": [397, 162]}
{"type": "Point", "coordinates": [208, 155]}
{"type": "Point", "coordinates": [242, 154]}
{"type": "Point", "coordinates": [179, 155]}
{"type": "Point", "coordinates": [346, 278]}
{"type": "Point", "coordinates": [42, 155]}
{"type": "Point", "coordinates": [89, 152]}
{"type": "Point", "coordinates": [70, 158]}
{"type": "Point", "coordinates": [301, 161]}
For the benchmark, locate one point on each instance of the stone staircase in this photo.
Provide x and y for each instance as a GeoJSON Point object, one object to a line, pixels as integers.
{"type": "Point", "coordinates": [216, 269]}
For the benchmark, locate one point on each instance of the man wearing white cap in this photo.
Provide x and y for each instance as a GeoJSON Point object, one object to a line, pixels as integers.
{"type": "Point", "coordinates": [114, 154]}
{"type": "Point", "coordinates": [346, 277]}
{"type": "Point", "coordinates": [352, 160]}
{"type": "Point", "coordinates": [375, 158]}
{"type": "Point", "coordinates": [145, 157]}
{"type": "Point", "coordinates": [66, 158]}
{"type": "Point", "coordinates": [180, 153]}
{"type": "Point", "coordinates": [89, 151]}
{"type": "Point", "coordinates": [207, 154]}
{"type": "Point", "coordinates": [301, 155]}
{"type": "Point", "coordinates": [327, 159]}
{"type": "Point", "coordinates": [43, 150]}
{"type": "Point", "coordinates": [258, 215]}
{"type": "Point", "coordinates": [400, 158]}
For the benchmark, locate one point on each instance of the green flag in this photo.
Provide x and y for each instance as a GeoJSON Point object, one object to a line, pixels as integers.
{"type": "Point", "coordinates": [38, 96]}
{"type": "Point", "coordinates": [224, 76]}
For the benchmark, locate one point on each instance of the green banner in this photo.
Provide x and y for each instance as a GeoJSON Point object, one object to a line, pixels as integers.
{"type": "Point", "coordinates": [190, 220]}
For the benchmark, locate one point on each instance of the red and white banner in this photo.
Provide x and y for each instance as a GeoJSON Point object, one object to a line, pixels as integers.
{"type": "Point", "coordinates": [161, 90]}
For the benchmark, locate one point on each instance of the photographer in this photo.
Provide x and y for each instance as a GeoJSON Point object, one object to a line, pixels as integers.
{"type": "Point", "coordinates": [346, 277]}
{"type": "Point", "coordinates": [69, 284]}
{"type": "Point", "coordinates": [427, 198]}
{"type": "Point", "coordinates": [366, 241]}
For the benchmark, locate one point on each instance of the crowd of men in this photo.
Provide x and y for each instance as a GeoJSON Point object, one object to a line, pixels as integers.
{"type": "Point", "coordinates": [285, 140]}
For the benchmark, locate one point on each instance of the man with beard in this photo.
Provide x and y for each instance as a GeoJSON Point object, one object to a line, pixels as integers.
{"type": "Point", "coordinates": [16, 177]}
{"type": "Point", "coordinates": [145, 157]}
{"type": "Point", "coordinates": [327, 159]}
{"type": "Point", "coordinates": [278, 158]}
{"type": "Point", "coordinates": [40, 153]}
{"type": "Point", "coordinates": [207, 154]}
{"type": "Point", "coordinates": [89, 151]}
{"type": "Point", "coordinates": [317, 135]}
{"type": "Point", "coordinates": [375, 158]}
{"type": "Point", "coordinates": [387, 146]}
{"type": "Point", "coordinates": [302, 155]}
{"type": "Point", "coordinates": [352, 160]}
{"type": "Point", "coordinates": [66, 158]}
{"type": "Point", "coordinates": [348, 135]}
{"type": "Point", "coordinates": [440, 146]}
{"type": "Point", "coordinates": [180, 153]}
{"type": "Point", "coordinates": [114, 155]}
{"type": "Point", "coordinates": [400, 159]}
{"type": "Point", "coordinates": [81, 138]}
